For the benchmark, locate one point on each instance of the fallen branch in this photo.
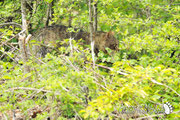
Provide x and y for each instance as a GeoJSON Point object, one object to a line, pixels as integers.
{"type": "Point", "coordinates": [156, 82]}
{"type": "Point", "coordinates": [10, 23]}
{"type": "Point", "coordinates": [34, 89]}
{"type": "Point", "coordinates": [111, 69]}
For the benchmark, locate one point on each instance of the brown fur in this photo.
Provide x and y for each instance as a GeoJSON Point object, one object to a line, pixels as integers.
{"type": "Point", "coordinates": [48, 36]}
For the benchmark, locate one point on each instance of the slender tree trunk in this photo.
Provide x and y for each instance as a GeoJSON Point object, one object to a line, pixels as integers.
{"type": "Point", "coordinates": [22, 37]}
{"type": "Point", "coordinates": [48, 13]}
{"type": "Point", "coordinates": [91, 32]}
{"type": "Point", "coordinates": [95, 15]}
{"type": "Point", "coordinates": [70, 19]}
{"type": "Point", "coordinates": [23, 13]}
{"type": "Point", "coordinates": [29, 6]}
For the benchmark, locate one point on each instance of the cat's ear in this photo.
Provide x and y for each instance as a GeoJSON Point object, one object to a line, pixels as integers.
{"type": "Point", "coordinates": [110, 33]}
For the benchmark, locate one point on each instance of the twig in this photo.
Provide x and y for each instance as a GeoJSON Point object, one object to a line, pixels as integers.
{"type": "Point", "coordinates": [34, 11]}
{"type": "Point", "coordinates": [100, 84]}
{"type": "Point", "coordinates": [155, 115]}
{"type": "Point", "coordinates": [71, 64]}
{"type": "Point", "coordinates": [76, 114]}
{"type": "Point", "coordinates": [12, 38]}
{"type": "Point", "coordinates": [111, 69]}
{"type": "Point", "coordinates": [28, 38]}
{"type": "Point", "coordinates": [10, 23]}
{"type": "Point", "coordinates": [34, 89]}
{"type": "Point", "coordinates": [156, 82]}
{"type": "Point", "coordinates": [64, 88]}
{"type": "Point", "coordinates": [70, 43]}
{"type": "Point", "coordinates": [34, 93]}
{"type": "Point", "coordinates": [8, 55]}
{"type": "Point", "coordinates": [97, 75]}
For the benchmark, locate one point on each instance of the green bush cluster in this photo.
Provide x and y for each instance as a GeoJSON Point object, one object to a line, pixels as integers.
{"type": "Point", "coordinates": [63, 85]}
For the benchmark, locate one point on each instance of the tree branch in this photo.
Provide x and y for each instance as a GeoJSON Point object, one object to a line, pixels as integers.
{"type": "Point", "coordinates": [34, 89]}
{"type": "Point", "coordinates": [156, 82]}
{"type": "Point", "coordinates": [111, 69]}
{"type": "Point", "coordinates": [10, 23]}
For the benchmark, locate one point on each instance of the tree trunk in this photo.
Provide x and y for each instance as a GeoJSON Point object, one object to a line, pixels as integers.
{"type": "Point", "coordinates": [23, 13]}
{"type": "Point", "coordinates": [91, 32]}
{"type": "Point", "coordinates": [48, 13]}
{"type": "Point", "coordinates": [70, 19]}
{"type": "Point", "coordinates": [95, 15]}
{"type": "Point", "coordinates": [29, 7]}
{"type": "Point", "coordinates": [22, 37]}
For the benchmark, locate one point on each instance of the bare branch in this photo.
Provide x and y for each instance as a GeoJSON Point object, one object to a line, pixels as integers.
{"type": "Point", "coordinates": [111, 69]}
{"type": "Point", "coordinates": [156, 82]}
{"type": "Point", "coordinates": [91, 32]}
{"type": "Point", "coordinates": [10, 23]}
{"type": "Point", "coordinates": [28, 38]}
{"type": "Point", "coordinates": [68, 61]}
{"type": "Point", "coordinates": [34, 89]}
{"type": "Point", "coordinates": [95, 15]}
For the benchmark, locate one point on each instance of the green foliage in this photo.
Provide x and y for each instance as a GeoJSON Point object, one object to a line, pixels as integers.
{"type": "Point", "coordinates": [145, 70]}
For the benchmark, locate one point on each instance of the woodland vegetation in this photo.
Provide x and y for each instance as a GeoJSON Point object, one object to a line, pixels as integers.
{"type": "Point", "coordinates": [71, 82]}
